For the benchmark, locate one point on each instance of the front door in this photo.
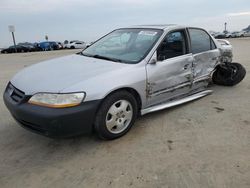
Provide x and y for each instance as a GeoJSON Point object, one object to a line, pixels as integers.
{"type": "Point", "coordinates": [170, 75]}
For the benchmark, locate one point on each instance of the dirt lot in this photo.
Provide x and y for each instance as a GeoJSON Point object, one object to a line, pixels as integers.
{"type": "Point", "coordinates": [205, 143]}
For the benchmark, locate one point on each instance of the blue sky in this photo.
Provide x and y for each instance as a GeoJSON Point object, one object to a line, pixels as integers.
{"type": "Point", "coordinates": [89, 19]}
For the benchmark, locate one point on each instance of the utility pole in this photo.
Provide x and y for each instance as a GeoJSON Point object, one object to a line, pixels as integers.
{"type": "Point", "coordinates": [12, 30]}
{"type": "Point", "coordinates": [225, 31]}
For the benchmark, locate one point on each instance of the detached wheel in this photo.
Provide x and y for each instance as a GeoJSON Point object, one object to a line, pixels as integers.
{"type": "Point", "coordinates": [116, 115]}
{"type": "Point", "coordinates": [229, 75]}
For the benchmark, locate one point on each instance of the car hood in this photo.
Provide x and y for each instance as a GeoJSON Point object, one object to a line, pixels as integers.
{"type": "Point", "coordinates": [58, 74]}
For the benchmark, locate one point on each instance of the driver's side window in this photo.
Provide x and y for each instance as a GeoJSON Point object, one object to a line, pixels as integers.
{"type": "Point", "coordinates": [173, 45]}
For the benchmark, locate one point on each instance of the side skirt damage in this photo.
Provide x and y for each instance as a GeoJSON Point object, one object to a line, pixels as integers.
{"type": "Point", "coordinates": [176, 102]}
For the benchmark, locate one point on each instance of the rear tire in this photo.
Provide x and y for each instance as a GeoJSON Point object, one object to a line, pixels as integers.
{"type": "Point", "coordinates": [116, 115]}
{"type": "Point", "coordinates": [229, 75]}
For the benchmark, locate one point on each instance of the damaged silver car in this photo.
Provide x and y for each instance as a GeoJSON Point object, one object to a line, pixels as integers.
{"type": "Point", "coordinates": [128, 72]}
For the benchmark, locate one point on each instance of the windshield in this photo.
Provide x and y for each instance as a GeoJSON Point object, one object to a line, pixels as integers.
{"type": "Point", "coordinates": [124, 45]}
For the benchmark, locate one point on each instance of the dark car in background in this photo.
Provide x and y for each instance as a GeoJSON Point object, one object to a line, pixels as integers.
{"type": "Point", "coordinates": [48, 46]}
{"type": "Point", "coordinates": [12, 49]}
{"type": "Point", "coordinates": [33, 47]}
{"type": "Point", "coordinates": [220, 35]}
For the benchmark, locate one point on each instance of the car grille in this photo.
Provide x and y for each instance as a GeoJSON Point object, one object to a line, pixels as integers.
{"type": "Point", "coordinates": [15, 94]}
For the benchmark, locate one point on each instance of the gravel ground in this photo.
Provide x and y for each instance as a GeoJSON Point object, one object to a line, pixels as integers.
{"type": "Point", "coordinates": [205, 143]}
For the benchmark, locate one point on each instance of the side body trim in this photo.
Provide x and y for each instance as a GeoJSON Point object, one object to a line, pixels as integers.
{"type": "Point", "coordinates": [169, 104]}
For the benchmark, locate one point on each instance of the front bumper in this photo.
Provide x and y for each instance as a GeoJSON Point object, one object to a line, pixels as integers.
{"type": "Point", "coordinates": [52, 122]}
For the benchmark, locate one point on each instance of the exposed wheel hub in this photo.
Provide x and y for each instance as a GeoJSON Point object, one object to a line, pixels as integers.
{"type": "Point", "coordinates": [119, 116]}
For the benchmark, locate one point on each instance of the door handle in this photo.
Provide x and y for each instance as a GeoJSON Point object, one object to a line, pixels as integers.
{"type": "Point", "coordinates": [186, 66]}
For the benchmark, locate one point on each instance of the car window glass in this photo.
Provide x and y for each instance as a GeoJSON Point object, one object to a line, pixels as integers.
{"type": "Point", "coordinates": [124, 38]}
{"type": "Point", "coordinates": [172, 46]}
{"type": "Point", "coordinates": [200, 41]}
{"type": "Point", "coordinates": [212, 45]}
{"type": "Point", "coordinates": [118, 40]}
{"type": "Point", "coordinates": [125, 45]}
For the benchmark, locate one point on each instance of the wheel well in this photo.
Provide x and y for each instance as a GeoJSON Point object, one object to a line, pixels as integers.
{"type": "Point", "coordinates": [133, 92]}
{"type": "Point", "coordinates": [215, 68]}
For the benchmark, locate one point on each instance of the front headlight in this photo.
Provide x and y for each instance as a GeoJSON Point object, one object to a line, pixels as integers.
{"type": "Point", "coordinates": [57, 100]}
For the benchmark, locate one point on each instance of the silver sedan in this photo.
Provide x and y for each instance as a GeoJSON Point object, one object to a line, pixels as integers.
{"type": "Point", "coordinates": [128, 72]}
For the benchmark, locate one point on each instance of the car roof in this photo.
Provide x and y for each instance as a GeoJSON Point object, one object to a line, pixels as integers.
{"type": "Point", "coordinates": [158, 26]}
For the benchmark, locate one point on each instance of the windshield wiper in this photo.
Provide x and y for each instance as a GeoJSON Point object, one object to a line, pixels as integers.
{"type": "Point", "coordinates": [106, 58]}
{"type": "Point", "coordinates": [102, 57]}
{"type": "Point", "coordinates": [81, 53]}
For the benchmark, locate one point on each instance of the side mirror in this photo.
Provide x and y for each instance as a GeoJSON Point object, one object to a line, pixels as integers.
{"type": "Point", "coordinates": [153, 61]}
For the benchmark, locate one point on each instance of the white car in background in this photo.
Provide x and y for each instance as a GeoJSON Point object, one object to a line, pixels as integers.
{"type": "Point", "coordinates": [76, 45]}
{"type": "Point", "coordinates": [246, 33]}
{"type": "Point", "coordinates": [241, 34]}
{"type": "Point", "coordinates": [228, 35]}
{"type": "Point", "coordinates": [237, 34]}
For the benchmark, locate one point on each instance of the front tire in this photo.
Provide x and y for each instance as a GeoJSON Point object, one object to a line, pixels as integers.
{"type": "Point", "coordinates": [229, 75]}
{"type": "Point", "coordinates": [116, 115]}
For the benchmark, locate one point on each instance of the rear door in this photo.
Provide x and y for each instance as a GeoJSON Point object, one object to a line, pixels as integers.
{"type": "Point", "coordinates": [205, 54]}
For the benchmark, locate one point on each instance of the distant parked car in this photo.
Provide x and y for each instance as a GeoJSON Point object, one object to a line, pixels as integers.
{"type": "Point", "coordinates": [76, 45]}
{"type": "Point", "coordinates": [246, 34]}
{"type": "Point", "coordinates": [60, 45]}
{"type": "Point", "coordinates": [220, 35]}
{"type": "Point", "coordinates": [48, 45]}
{"type": "Point", "coordinates": [213, 33]}
{"type": "Point", "coordinates": [66, 42]}
{"type": "Point", "coordinates": [235, 34]}
{"type": "Point", "coordinates": [228, 35]}
{"type": "Point", "coordinates": [241, 34]}
{"type": "Point", "coordinates": [12, 49]}
{"type": "Point", "coordinates": [33, 47]}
